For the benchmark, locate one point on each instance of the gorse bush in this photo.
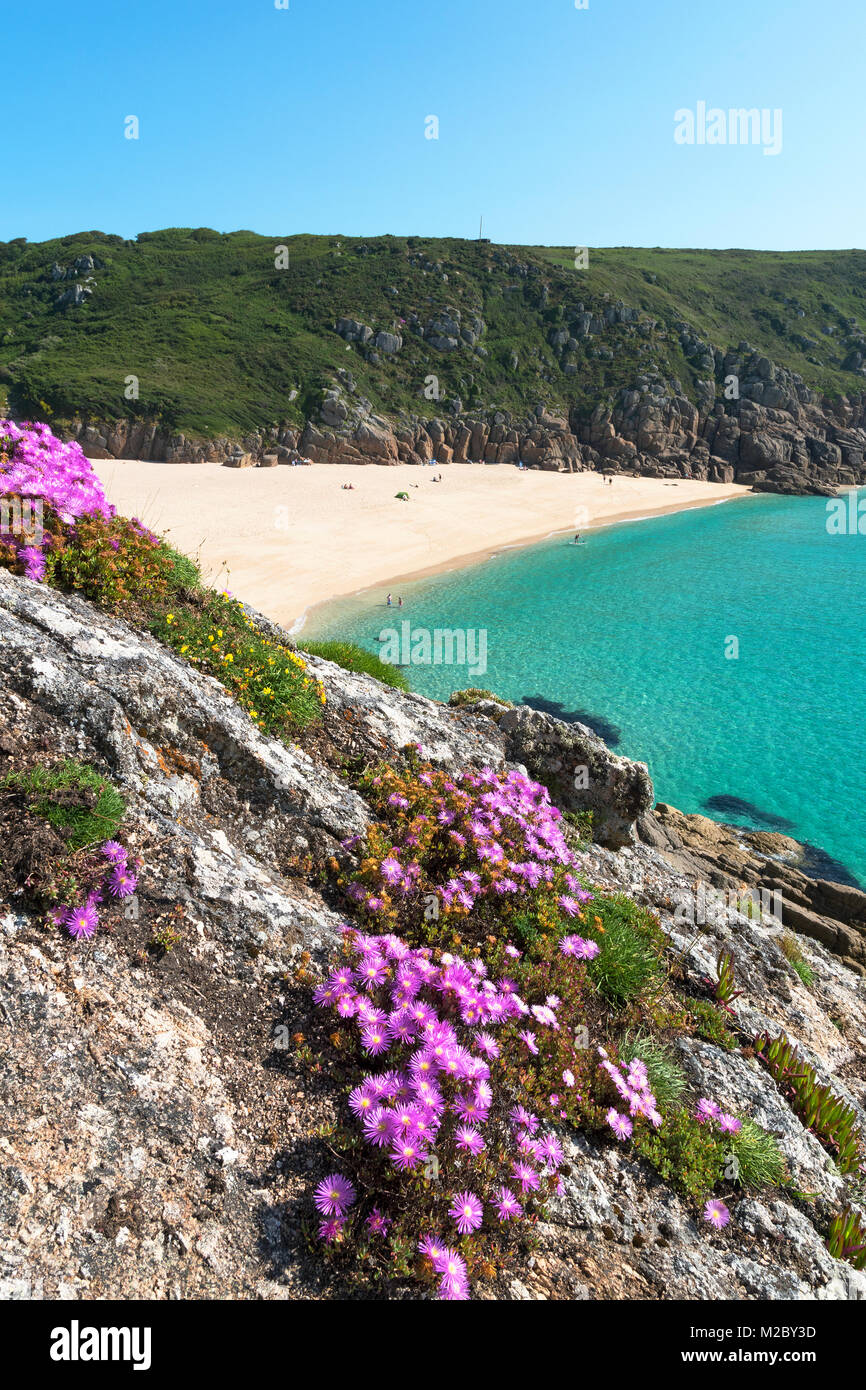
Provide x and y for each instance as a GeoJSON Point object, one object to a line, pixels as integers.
{"type": "Point", "coordinates": [270, 681]}
{"type": "Point", "coordinates": [354, 658]}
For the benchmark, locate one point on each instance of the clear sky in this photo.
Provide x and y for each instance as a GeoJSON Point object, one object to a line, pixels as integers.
{"type": "Point", "coordinates": [556, 123]}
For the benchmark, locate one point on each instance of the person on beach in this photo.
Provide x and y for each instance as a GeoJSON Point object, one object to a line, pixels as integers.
{"type": "Point", "coordinates": [577, 539]}
{"type": "Point", "coordinates": [399, 603]}
{"type": "Point", "coordinates": [389, 603]}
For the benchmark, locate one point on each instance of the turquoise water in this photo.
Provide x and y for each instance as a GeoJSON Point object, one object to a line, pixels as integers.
{"type": "Point", "coordinates": [628, 632]}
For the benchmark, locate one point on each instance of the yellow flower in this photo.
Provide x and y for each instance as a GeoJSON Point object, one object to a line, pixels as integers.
{"type": "Point", "coordinates": [184, 648]}
{"type": "Point", "coordinates": [229, 657]}
{"type": "Point", "coordinates": [169, 617]}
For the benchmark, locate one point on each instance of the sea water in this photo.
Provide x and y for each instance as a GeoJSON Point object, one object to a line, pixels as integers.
{"type": "Point", "coordinates": [725, 646]}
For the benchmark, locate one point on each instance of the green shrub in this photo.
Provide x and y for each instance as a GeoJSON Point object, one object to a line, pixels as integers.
{"type": "Point", "coordinates": [760, 1162]}
{"type": "Point", "coordinates": [630, 963]}
{"type": "Point", "coordinates": [354, 658]}
{"type": "Point", "coordinates": [688, 1155]}
{"type": "Point", "coordinates": [74, 799]}
{"type": "Point", "coordinates": [667, 1078]}
{"type": "Point", "coordinates": [710, 1024]}
{"type": "Point", "coordinates": [118, 563]}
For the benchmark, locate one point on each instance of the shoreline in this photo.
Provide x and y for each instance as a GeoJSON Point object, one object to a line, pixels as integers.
{"type": "Point", "coordinates": [292, 540]}
{"type": "Point", "coordinates": [479, 557]}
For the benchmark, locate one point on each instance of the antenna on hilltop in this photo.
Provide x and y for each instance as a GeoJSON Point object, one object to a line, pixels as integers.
{"type": "Point", "coordinates": [480, 226]}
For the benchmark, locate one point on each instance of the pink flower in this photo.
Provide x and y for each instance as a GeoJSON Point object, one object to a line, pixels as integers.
{"type": "Point", "coordinates": [620, 1124]}
{"type": "Point", "coordinates": [717, 1214]}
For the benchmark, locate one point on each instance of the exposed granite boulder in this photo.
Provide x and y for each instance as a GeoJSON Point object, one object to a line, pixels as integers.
{"type": "Point", "coordinates": [580, 771]}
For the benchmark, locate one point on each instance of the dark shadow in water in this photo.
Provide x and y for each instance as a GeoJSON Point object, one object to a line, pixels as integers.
{"type": "Point", "coordinates": [817, 863]}
{"type": "Point", "coordinates": [609, 732]}
{"type": "Point", "coordinates": [735, 806]}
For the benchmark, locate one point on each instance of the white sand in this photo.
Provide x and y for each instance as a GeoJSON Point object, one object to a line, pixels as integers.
{"type": "Point", "coordinates": [288, 538]}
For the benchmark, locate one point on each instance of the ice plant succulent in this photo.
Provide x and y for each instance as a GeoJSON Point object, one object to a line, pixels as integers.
{"type": "Point", "coordinates": [437, 1123]}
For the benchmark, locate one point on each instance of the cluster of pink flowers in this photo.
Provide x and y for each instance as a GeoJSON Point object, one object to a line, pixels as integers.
{"type": "Point", "coordinates": [502, 825]}
{"type": "Point", "coordinates": [36, 465]}
{"type": "Point", "coordinates": [117, 879]}
{"type": "Point", "coordinates": [634, 1088]}
{"type": "Point", "coordinates": [439, 1022]}
{"type": "Point", "coordinates": [708, 1112]}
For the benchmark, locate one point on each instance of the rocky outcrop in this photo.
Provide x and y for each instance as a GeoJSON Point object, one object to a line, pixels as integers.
{"type": "Point", "coordinates": [580, 772]}
{"type": "Point", "coordinates": [734, 860]}
{"type": "Point", "coordinates": [161, 1136]}
{"type": "Point", "coordinates": [798, 444]}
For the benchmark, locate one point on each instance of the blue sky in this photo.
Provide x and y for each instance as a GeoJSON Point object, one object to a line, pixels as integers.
{"type": "Point", "coordinates": [556, 123]}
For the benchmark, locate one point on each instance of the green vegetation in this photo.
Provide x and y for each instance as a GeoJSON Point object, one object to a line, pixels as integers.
{"type": "Point", "coordinates": [760, 1162]}
{"type": "Point", "coordinates": [269, 680]}
{"type": "Point", "coordinates": [831, 1119]}
{"type": "Point", "coordinates": [847, 1238]}
{"type": "Point", "coordinates": [690, 1156]}
{"type": "Point", "coordinates": [630, 963]}
{"type": "Point", "coordinates": [581, 823]}
{"type": "Point", "coordinates": [223, 342]}
{"type": "Point", "coordinates": [790, 948]}
{"type": "Point", "coordinates": [85, 807]}
{"type": "Point", "coordinates": [354, 658]}
{"type": "Point", "coordinates": [667, 1078]}
{"type": "Point", "coordinates": [710, 1024]}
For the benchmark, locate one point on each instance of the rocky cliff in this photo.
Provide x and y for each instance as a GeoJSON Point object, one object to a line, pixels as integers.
{"type": "Point", "coordinates": [778, 436]}
{"type": "Point", "coordinates": [161, 1136]}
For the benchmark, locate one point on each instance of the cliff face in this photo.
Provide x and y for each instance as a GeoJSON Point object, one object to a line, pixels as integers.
{"type": "Point", "coordinates": [161, 1136]}
{"type": "Point", "coordinates": [777, 437]}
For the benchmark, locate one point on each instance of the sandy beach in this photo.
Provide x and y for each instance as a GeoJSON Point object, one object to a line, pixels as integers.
{"type": "Point", "coordinates": [289, 538]}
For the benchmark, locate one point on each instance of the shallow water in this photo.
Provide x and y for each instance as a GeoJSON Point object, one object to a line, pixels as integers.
{"type": "Point", "coordinates": [631, 633]}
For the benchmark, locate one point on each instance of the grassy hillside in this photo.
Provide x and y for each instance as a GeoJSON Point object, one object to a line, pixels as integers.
{"type": "Point", "coordinates": [223, 342]}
